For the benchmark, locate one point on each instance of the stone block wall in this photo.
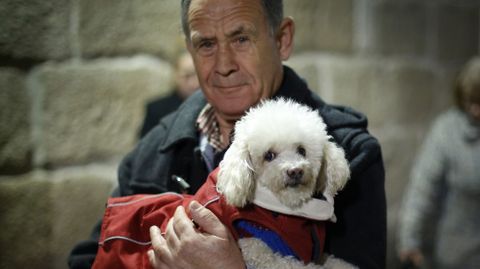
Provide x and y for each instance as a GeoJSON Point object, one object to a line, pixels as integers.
{"type": "Point", "coordinates": [74, 77]}
{"type": "Point", "coordinates": [15, 149]}
{"type": "Point", "coordinates": [82, 110]}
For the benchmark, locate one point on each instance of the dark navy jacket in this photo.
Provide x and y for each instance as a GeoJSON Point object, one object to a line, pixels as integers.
{"type": "Point", "coordinates": [171, 148]}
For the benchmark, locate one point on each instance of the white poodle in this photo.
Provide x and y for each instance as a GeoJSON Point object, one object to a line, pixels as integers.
{"type": "Point", "coordinates": [280, 157]}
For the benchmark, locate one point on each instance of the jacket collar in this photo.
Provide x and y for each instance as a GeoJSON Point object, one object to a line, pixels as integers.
{"type": "Point", "coordinates": [181, 125]}
{"type": "Point", "coordinates": [294, 87]}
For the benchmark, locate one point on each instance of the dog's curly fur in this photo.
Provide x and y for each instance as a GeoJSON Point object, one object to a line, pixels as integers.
{"type": "Point", "coordinates": [259, 256]}
{"type": "Point", "coordinates": [283, 146]}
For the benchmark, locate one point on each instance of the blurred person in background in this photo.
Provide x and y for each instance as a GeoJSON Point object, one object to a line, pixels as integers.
{"type": "Point", "coordinates": [186, 82]}
{"type": "Point", "coordinates": [445, 182]}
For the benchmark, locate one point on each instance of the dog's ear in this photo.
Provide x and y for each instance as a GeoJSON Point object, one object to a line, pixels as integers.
{"type": "Point", "coordinates": [236, 177]}
{"type": "Point", "coordinates": [334, 172]}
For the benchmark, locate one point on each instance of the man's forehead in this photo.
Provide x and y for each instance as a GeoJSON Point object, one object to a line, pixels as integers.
{"type": "Point", "coordinates": [229, 30]}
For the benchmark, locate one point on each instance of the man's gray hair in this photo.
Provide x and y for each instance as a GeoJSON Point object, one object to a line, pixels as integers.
{"type": "Point", "coordinates": [273, 9]}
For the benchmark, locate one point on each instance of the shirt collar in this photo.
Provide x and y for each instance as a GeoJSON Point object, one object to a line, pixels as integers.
{"type": "Point", "coordinates": [207, 125]}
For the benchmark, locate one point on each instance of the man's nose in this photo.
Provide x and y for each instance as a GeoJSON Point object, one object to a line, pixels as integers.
{"type": "Point", "coordinates": [225, 61]}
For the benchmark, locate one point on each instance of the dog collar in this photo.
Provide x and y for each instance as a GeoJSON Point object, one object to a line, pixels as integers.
{"type": "Point", "coordinates": [315, 209]}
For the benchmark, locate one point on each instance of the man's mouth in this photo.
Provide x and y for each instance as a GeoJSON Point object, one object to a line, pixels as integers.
{"type": "Point", "coordinates": [229, 88]}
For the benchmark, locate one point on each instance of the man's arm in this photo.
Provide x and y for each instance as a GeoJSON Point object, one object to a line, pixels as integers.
{"type": "Point", "coordinates": [83, 254]}
{"type": "Point", "coordinates": [142, 163]}
{"type": "Point", "coordinates": [359, 236]}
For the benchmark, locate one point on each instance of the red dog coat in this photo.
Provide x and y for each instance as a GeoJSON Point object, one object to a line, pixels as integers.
{"type": "Point", "coordinates": [125, 239]}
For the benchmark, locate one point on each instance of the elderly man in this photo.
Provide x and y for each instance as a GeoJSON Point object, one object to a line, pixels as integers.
{"type": "Point", "coordinates": [238, 47]}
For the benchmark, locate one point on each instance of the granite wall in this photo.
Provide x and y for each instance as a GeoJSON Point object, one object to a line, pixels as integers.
{"type": "Point", "coordinates": [74, 77]}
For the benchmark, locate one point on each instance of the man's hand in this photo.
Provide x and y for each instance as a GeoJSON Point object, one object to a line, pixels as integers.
{"type": "Point", "coordinates": [184, 246]}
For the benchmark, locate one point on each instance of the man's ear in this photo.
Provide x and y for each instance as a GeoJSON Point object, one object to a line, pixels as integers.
{"type": "Point", "coordinates": [285, 38]}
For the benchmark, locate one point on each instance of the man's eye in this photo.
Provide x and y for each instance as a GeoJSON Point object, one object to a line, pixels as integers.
{"type": "Point", "coordinates": [206, 47]}
{"type": "Point", "coordinates": [242, 39]}
{"type": "Point", "coordinates": [269, 156]}
{"type": "Point", "coordinates": [206, 44]}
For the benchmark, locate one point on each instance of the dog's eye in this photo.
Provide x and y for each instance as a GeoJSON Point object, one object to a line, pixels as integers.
{"type": "Point", "coordinates": [301, 150]}
{"type": "Point", "coordinates": [269, 156]}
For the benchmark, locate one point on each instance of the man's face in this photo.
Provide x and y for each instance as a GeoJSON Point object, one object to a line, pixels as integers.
{"type": "Point", "coordinates": [237, 59]}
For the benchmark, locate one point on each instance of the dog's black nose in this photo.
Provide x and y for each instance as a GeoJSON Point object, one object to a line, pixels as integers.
{"type": "Point", "coordinates": [295, 176]}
